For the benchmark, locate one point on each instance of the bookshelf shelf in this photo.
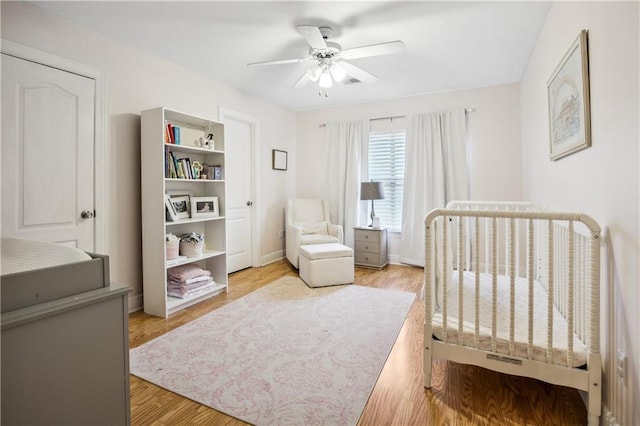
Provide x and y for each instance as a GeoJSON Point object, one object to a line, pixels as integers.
{"type": "Point", "coordinates": [205, 255]}
{"type": "Point", "coordinates": [175, 304]}
{"type": "Point", "coordinates": [156, 157]}
{"type": "Point", "coordinates": [191, 220]}
{"type": "Point", "coordinates": [195, 180]}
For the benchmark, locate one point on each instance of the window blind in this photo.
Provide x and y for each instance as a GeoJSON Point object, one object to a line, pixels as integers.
{"type": "Point", "coordinates": [386, 164]}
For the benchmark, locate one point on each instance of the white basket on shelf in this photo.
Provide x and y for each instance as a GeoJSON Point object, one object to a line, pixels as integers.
{"type": "Point", "coordinates": [191, 249]}
{"type": "Point", "coordinates": [172, 249]}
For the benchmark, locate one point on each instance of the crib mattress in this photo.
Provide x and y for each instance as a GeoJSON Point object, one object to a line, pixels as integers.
{"type": "Point", "coordinates": [540, 329]}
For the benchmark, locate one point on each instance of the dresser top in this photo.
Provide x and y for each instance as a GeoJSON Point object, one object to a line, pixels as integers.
{"type": "Point", "coordinates": [368, 228]}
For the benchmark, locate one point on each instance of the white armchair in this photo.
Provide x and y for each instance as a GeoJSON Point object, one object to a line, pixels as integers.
{"type": "Point", "coordinates": [308, 222]}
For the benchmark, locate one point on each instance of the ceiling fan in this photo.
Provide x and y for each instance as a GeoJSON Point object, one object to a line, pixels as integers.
{"type": "Point", "coordinates": [331, 59]}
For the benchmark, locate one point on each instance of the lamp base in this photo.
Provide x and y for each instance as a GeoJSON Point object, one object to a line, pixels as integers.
{"type": "Point", "coordinates": [373, 214]}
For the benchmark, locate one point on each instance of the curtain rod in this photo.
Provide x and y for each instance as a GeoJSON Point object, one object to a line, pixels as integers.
{"type": "Point", "coordinates": [467, 110]}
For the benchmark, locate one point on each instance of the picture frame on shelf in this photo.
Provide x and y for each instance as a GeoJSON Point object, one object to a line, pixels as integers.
{"type": "Point", "coordinates": [202, 207]}
{"type": "Point", "coordinates": [172, 213]}
{"type": "Point", "coordinates": [278, 159]}
{"type": "Point", "coordinates": [182, 205]}
{"type": "Point", "coordinates": [569, 103]}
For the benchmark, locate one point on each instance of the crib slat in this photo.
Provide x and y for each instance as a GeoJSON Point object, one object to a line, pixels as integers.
{"type": "Point", "coordinates": [550, 295]}
{"type": "Point", "coordinates": [569, 314]}
{"type": "Point", "coordinates": [507, 237]}
{"type": "Point", "coordinates": [580, 287]}
{"type": "Point", "coordinates": [530, 278]}
{"type": "Point", "coordinates": [494, 281]}
{"type": "Point", "coordinates": [487, 241]}
{"type": "Point", "coordinates": [445, 275]}
{"type": "Point", "coordinates": [512, 287]}
{"type": "Point", "coordinates": [460, 278]}
{"type": "Point", "coordinates": [476, 336]}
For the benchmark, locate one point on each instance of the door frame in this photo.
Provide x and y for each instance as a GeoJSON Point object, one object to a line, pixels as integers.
{"type": "Point", "coordinates": [254, 124]}
{"type": "Point", "coordinates": [101, 151]}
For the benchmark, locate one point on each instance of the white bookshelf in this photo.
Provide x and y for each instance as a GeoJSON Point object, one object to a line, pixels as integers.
{"type": "Point", "coordinates": [155, 184]}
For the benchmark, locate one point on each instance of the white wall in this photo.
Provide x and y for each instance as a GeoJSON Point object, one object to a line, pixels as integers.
{"type": "Point", "coordinates": [494, 137]}
{"type": "Point", "coordinates": [137, 80]}
{"type": "Point", "coordinates": [603, 180]}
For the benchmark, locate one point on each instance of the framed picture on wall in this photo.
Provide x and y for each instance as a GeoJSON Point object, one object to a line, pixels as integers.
{"type": "Point", "coordinates": [569, 107]}
{"type": "Point", "coordinates": [278, 159]}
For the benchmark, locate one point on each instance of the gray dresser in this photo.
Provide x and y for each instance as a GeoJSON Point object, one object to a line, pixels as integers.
{"type": "Point", "coordinates": [65, 360]}
{"type": "Point", "coordinates": [371, 249]}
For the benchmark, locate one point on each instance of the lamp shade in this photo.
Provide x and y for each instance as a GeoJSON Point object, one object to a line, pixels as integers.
{"type": "Point", "coordinates": [371, 191]}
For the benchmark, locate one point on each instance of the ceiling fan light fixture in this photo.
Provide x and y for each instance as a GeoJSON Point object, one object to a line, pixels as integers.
{"type": "Point", "coordinates": [338, 73]}
{"type": "Point", "coordinates": [314, 74]}
{"type": "Point", "coordinates": [325, 80]}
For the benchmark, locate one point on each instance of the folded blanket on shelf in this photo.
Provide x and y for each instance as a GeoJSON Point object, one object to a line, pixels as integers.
{"type": "Point", "coordinates": [187, 272]}
{"type": "Point", "coordinates": [189, 286]}
{"type": "Point", "coordinates": [182, 292]}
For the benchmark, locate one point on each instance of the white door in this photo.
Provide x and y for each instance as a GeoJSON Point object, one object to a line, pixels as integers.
{"type": "Point", "coordinates": [47, 154]}
{"type": "Point", "coordinates": [238, 142]}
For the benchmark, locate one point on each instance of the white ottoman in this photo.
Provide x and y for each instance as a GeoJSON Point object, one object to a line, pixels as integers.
{"type": "Point", "coordinates": [323, 265]}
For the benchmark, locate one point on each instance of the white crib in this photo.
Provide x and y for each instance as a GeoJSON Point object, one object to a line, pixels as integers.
{"type": "Point", "coordinates": [516, 290]}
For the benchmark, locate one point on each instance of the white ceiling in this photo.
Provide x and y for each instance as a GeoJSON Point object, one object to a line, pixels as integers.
{"type": "Point", "coordinates": [450, 45]}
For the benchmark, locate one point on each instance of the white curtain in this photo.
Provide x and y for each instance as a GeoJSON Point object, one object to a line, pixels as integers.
{"type": "Point", "coordinates": [435, 173]}
{"type": "Point", "coordinates": [345, 142]}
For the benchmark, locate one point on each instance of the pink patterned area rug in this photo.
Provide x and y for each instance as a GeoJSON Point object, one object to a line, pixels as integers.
{"type": "Point", "coordinates": [283, 355]}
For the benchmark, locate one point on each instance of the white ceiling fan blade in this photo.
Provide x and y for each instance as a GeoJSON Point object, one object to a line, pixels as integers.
{"type": "Point", "coordinates": [358, 73]}
{"type": "Point", "coordinates": [282, 61]}
{"type": "Point", "coordinates": [313, 36]}
{"type": "Point", "coordinates": [373, 50]}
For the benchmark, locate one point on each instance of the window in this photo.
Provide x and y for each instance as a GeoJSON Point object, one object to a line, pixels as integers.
{"type": "Point", "coordinates": [386, 164]}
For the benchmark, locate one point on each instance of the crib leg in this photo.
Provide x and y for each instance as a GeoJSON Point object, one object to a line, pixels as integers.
{"type": "Point", "coordinates": [427, 358]}
{"type": "Point", "coordinates": [594, 397]}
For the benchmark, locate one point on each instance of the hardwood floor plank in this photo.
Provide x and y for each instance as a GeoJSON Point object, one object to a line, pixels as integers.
{"type": "Point", "coordinates": [460, 394]}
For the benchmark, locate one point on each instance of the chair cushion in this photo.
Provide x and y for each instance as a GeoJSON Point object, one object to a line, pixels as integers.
{"type": "Point", "coordinates": [317, 239]}
{"type": "Point", "coordinates": [325, 251]}
{"type": "Point", "coordinates": [314, 228]}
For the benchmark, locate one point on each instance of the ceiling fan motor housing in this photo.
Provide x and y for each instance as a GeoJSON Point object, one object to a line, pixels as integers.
{"type": "Point", "coordinates": [331, 50]}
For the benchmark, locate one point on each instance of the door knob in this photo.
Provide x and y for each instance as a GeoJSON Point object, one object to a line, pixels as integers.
{"type": "Point", "coordinates": [86, 214]}
{"type": "Point", "coordinates": [249, 203]}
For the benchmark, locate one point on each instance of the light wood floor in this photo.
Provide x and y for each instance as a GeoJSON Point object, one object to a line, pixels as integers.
{"type": "Point", "coordinates": [461, 395]}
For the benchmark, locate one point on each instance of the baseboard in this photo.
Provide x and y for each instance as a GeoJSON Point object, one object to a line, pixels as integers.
{"type": "Point", "coordinates": [272, 257]}
{"type": "Point", "coordinates": [607, 418]}
{"type": "Point", "coordinates": [135, 302]}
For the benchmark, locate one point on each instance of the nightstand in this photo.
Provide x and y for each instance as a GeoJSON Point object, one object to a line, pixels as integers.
{"type": "Point", "coordinates": [371, 247]}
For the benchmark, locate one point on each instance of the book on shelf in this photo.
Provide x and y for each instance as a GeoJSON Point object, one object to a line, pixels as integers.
{"type": "Point", "coordinates": [176, 135]}
{"type": "Point", "coordinates": [170, 170]}
{"type": "Point", "coordinates": [185, 164]}
{"type": "Point", "coordinates": [167, 132]}
{"type": "Point", "coordinates": [171, 133]}
{"type": "Point", "coordinates": [167, 168]}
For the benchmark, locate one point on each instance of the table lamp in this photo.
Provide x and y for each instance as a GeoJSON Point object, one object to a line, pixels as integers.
{"type": "Point", "coordinates": [371, 191]}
